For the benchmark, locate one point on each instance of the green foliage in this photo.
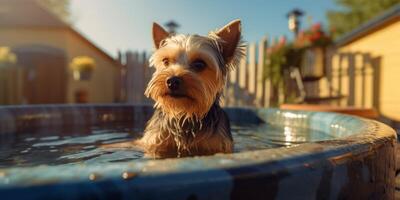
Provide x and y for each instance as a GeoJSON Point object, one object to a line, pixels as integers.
{"type": "Point", "coordinates": [61, 8]}
{"type": "Point", "coordinates": [356, 12]}
{"type": "Point", "coordinates": [275, 65]}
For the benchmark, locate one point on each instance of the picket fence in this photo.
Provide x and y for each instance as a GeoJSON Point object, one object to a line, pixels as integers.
{"type": "Point", "coordinates": [245, 85]}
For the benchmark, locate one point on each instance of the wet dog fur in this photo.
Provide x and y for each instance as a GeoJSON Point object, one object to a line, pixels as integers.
{"type": "Point", "coordinates": [191, 72]}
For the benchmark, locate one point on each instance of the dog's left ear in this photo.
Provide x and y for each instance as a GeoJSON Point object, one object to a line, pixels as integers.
{"type": "Point", "coordinates": [231, 35]}
{"type": "Point", "coordinates": [159, 34]}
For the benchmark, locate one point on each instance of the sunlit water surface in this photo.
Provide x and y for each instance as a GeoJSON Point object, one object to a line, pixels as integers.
{"type": "Point", "coordinates": [58, 148]}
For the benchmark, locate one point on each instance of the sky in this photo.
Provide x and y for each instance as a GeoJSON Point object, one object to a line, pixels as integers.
{"type": "Point", "coordinates": [126, 24]}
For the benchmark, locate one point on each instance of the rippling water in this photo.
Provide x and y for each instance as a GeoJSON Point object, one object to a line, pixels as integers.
{"type": "Point", "coordinates": [82, 146]}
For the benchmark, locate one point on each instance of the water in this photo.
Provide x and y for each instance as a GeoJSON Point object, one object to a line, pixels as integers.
{"type": "Point", "coordinates": [55, 147]}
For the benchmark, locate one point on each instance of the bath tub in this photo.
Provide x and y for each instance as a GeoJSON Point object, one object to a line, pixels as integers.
{"type": "Point", "coordinates": [358, 163]}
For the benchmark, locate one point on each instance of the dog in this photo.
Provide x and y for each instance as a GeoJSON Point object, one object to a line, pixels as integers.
{"type": "Point", "coordinates": [189, 78]}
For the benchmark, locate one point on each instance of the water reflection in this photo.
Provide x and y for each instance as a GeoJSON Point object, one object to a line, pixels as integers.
{"type": "Point", "coordinates": [72, 146]}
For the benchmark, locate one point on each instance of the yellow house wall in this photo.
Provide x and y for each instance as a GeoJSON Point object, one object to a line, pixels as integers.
{"type": "Point", "coordinates": [16, 37]}
{"type": "Point", "coordinates": [102, 85]}
{"type": "Point", "coordinates": [386, 44]}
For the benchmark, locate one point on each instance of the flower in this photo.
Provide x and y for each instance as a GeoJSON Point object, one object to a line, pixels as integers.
{"type": "Point", "coordinates": [313, 37]}
{"type": "Point", "coordinates": [316, 36]}
{"type": "Point", "coordinates": [282, 41]}
{"type": "Point", "coordinates": [83, 63]}
{"type": "Point", "coordinates": [316, 27]}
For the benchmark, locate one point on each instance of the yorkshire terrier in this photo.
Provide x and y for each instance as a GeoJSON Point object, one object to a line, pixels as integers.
{"type": "Point", "coordinates": [191, 72]}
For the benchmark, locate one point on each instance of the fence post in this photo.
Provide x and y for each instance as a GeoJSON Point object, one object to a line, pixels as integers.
{"type": "Point", "coordinates": [261, 97]}
{"type": "Point", "coordinates": [230, 90]}
{"type": "Point", "coordinates": [252, 75]}
{"type": "Point", "coordinates": [376, 64]}
{"type": "Point", "coordinates": [130, 57]}
{"type": "Point", "coordinates": [242, 78]}
{"type": "Point", "coordinates": [340, 75]}
{"type": "Point", "coordinates": [351, 75]}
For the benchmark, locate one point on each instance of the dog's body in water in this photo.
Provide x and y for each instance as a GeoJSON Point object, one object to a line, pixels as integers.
{"type": "Point", "coordinates": [191, 72]}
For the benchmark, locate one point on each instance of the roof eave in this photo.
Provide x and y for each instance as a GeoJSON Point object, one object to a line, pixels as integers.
{"type": "Point", "coordinates": [388, 17]}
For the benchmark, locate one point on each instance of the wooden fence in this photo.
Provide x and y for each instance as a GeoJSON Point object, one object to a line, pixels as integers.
{"type": "Point", "coordinates": [354, 76]}
{"type": "Point", "coordinates": [136, 75]}
{"type": "Point", "coordinates": [245, 85]}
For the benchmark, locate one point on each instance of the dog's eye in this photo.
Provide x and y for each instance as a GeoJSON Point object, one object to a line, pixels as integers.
{"type": "Point", "coordinates": [165, 61]}
{"type": "Point", "coordinates": [198, 65]}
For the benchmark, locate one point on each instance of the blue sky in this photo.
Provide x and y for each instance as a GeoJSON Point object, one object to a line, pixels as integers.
{"type": "Point", "coordinates": [126, 24]}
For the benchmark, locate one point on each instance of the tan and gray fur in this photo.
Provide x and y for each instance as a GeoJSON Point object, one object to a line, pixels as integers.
{"type": "Point", "coordinates": [188, 119]}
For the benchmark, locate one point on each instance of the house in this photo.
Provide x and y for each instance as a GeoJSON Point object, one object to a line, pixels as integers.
{"type": "Point", "coordinates": [373, 49]}
{"type": "Point", "coordinates": [45, 46]}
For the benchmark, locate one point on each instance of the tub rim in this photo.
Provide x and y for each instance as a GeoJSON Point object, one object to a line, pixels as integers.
{"type": "Point", "coordinates": [371, 134]}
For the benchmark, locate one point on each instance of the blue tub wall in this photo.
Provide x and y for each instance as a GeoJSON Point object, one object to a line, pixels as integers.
{"type": "Point", "coordinates": [358, 164]}
{"type": "Point", "coordinates": [21, 118]}
{"type": "Point", "coordinates": [337, 125]}
{"type": "Point", "coordinates": [41, 117]}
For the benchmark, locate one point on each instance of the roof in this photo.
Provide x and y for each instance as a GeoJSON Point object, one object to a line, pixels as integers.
{"type": "Point", "coordinates": [388, 17]}
{"type": "Point", "coordinates": [22, 13]}
{"type": "Point", "coordinates": [30, 14]}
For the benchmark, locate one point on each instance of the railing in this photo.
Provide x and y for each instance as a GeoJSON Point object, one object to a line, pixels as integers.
{"type": "Point", "coordinates": [356, 76]}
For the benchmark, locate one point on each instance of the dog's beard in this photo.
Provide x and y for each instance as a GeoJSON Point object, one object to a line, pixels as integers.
{"type": "Point", "coordinates": [193, 104]}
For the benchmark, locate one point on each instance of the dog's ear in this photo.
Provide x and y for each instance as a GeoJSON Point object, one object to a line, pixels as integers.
{"type": "Point", "coordinates": [230, 35]}
{"type": "Point", "coordinates": [159, 34]}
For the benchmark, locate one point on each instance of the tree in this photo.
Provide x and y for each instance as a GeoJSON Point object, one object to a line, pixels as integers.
{"type": "Point", "coordinates": [61, 8]}
{"type": "Point", "coordinates": [356, 12]}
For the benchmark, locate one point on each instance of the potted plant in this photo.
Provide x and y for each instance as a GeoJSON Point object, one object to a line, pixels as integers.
{"type": "Point", "coordinates": [314, 42]}
{"type": "Point", "coordinates": [306, 53]}
{"type": "Point", "coordinates": [82, 67]}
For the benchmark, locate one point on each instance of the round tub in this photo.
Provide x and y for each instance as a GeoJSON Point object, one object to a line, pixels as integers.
{"type": "Point", "coordinates": [359, 163]}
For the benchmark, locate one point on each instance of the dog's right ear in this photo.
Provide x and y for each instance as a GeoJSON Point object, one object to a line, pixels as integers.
{"type": "Point", "coordinates": [232, 48]}
{"type": "Point", "coordinates": [159, 34]}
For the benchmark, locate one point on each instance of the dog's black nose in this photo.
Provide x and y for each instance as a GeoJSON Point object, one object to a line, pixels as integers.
{"type": "Point", "coordinates": [173, 83]}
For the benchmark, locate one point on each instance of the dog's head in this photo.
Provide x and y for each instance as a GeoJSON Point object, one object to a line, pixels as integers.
{"type": "Point", "coordinates": [191, 70]}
